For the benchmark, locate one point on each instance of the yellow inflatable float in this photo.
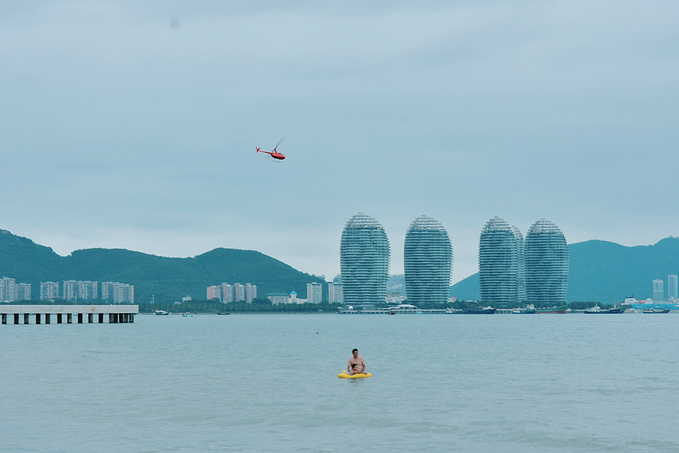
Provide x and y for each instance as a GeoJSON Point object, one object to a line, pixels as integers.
{"type": "Point", "coordinates": [344, 375]}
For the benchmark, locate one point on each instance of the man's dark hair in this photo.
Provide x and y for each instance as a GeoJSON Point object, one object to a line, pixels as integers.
{"type": "Point", "coordinates": [354, 350]}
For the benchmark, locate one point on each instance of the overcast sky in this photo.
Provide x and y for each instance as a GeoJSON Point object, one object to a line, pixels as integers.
{"type": "Point", "coordinates": [133, 125]}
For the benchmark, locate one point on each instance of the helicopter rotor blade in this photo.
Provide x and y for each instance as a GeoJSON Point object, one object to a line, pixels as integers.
{"type": "Point", "coordinates": [279, 142]}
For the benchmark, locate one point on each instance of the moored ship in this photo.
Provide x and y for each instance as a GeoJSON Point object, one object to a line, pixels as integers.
{"type": "Point", "coordinates": [527, 310]}
{"type": "Point", "coordinates": [598, 310]}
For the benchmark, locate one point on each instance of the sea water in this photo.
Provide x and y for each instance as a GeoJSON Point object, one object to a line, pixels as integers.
{"type": "Point", "coordinates": [257, 383]}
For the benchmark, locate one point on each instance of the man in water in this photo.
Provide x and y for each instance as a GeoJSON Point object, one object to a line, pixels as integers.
{"type": "Point", "coordinates": [356, 363]}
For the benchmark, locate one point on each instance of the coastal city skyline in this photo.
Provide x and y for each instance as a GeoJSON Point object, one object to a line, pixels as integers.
{"type": "Point", "coordinates": [134, 126]}
{"type": "Point", "coordinates": [501, 280]}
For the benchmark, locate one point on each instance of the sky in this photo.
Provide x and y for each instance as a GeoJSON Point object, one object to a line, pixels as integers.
{"type": "Point", "coordinates": [133, 125]}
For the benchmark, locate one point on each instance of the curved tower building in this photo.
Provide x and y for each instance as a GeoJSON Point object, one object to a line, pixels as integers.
{"type": "Point", "coordinates": [364, 261]}
{"type": "Point", "coordinates": [546, 257]}
{"type": "Point", "coordinates": [498, 264]}
{"type": "Point", "coordinates": [428, 260]}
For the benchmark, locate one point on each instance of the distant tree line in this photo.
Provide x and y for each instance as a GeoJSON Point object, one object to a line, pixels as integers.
{"type": "Point", "coordinates": [258, 305]}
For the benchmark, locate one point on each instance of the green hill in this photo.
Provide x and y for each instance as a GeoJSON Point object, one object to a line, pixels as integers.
{"type": "Point", "coordinates": [606, 272]}
{"type": "Point", "coordinates": [167, 279]}
{"type": "Point", "coordinates": [467, 289]}
{"type": "Point", "coordinates": [609, 272]}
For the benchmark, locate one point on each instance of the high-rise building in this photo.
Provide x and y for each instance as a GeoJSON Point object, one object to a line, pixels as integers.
{"type": "Point", "coordinates": [23, 291]}
{"type": "Point", "coordinates": [124, 293]}
{"type": "Point", "coordinates": [49, 291]}
{"type": "Point", "coordinates": [213, 292]}
{"type": "Point", "coordinates": [314, 293]}
{"type": "Point", "coordinates": [88, 290]}
{"type": "Point", "coordinates": [250, 292]}
{"type": "Point", "coordinates": [658, 290]}
{"type": "Point", "coordinates": [338, 293]}
{"type": "Point", "coordinates": [7, 289]}
{"type": "Point", "coordinates": [521, 265]}
{"type": "Point", "coordinates": [238, 292]}
{"type": "Point", "coordinates": [331, 292]}
{"type": "Point", "coordinates": [428, 261]}
{"type": "Point", "coordinates": [117, 293]}
{"type": "Point", "coordinates": [364, 261]}
{"type": "Point", "coordinates": [546, 258]}
{"type": "Point", "coordinates": [108, 292]}
{"type": "Point", "coordinates": [672, 288]}
{"type": "Point", "coordinates": [227, 293]}
{"type": "Point", "coordinates": [70, 290]}
{"type": "Point", "coordinates": [499, 266]}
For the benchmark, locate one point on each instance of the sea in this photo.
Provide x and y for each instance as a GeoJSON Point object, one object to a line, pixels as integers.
{"type": "Point", "coordinates": [268, 383]}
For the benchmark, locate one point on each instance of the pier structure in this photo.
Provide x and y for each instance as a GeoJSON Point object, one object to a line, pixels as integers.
{"type": "Point", "coordinates": [68, 314]}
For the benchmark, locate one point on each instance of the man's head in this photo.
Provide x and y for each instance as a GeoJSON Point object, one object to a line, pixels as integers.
{"type": "Point", "coordinates": [355, 352]}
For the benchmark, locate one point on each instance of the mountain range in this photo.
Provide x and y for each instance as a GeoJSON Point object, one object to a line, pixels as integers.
{"type": "Point", "coordinates": [166, 279]}
{"type": "Point", "coordinates": [599, 270]}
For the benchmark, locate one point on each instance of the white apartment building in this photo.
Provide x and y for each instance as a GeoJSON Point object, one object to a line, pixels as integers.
{"type": "Point", "coordinates": [117, 293]}
{"type": "Point", "coordinates": [226, 293]}
{"type": "Point", "coordinates": [238, 292]}
{"type": "Point", "coordinates": [69, 290]}
{"type": "Point", "coordinates": [88, 290]}
{"type": "Point", "coordinates": [658, 290]}
{"type": "Point", "coordinates": [23, 291]}
{"type": "Point", "coordinates": [250, 292]}
{"type": "Point", "coordinates": [331, 292]}
{"type": "Point", "coordinates": [314, 293]}
{"type": "Point", "coordinates": [11, 291]}
{"type": "Point", "coordinates": [338, 293]}
{"type": "Point", "coordinates": [672, 288]}
{"type": "Point", "coordinates": [49, 291]}
{"type": "Point", "coordinates": [7, 289]}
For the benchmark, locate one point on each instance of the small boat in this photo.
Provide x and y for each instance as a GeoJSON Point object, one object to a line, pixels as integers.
{"type": "Point", "coordinates": [223, 313]}
{"type": "Point", "coordinates": [598, 310]}
{"type": "Point", "coordinates": [188, 315]}
{"type": "Point", "coordinates": [392, 312]}
{"type": "Point", "coordinates": [161, 312]}
{"type": "Point", "coordinates": [655, 310]}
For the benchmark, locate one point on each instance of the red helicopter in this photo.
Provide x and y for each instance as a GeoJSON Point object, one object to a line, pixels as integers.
{"type": "Point", "coordinates": [275, 154]}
